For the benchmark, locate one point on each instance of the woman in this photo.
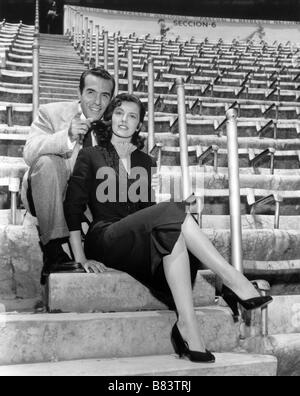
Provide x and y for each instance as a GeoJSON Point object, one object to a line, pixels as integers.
{"type": "Point", "coordinates": [150, 242]}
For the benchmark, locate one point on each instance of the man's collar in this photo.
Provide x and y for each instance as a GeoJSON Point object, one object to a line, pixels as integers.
{"type": "Point", "coordinates": [82, 117]}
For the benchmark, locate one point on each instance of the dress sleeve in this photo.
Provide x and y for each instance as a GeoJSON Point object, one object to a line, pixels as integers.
{"type": "Point", "coordinates": [77, 196]}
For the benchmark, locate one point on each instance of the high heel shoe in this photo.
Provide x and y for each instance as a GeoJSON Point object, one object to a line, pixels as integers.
{"type": "Point", "coordinates": [233, 300]}
{"type": "Point", "coordinates": [182, 348]}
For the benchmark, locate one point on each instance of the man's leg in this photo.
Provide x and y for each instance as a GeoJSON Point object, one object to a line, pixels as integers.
{"type": "Point", "coordinates": [48, 178]}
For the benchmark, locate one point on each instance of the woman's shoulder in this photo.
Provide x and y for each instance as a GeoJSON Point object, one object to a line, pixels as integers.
{"type": "Point", "coordinates": [146, 158]}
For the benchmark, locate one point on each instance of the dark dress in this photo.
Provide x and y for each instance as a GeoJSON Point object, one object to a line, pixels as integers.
{"type": "Point", "coordinates": [128, 236]}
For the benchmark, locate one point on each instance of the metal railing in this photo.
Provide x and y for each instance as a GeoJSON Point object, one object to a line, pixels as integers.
{"type": "Point", "coordinates": [234, 190]}
{"type": "Point", "coordinates": [35, 65]}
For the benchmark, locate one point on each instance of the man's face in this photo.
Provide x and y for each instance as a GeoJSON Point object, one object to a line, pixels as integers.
{"type": "Point", "coordinates": [95, 97]}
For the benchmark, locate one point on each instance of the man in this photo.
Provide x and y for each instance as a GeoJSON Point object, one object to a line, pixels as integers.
{"type": "Point", "coordinates": [51, 150]}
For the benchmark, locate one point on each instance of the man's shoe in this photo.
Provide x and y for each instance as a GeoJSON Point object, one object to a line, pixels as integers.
{"type": "Point", "coordinates": [62, 263]}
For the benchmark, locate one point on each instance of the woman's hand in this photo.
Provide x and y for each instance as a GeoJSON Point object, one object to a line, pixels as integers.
{"type": "Point", "coordinates": [155, 184]}
{"type": "Point", "coordinates": [94, 267]}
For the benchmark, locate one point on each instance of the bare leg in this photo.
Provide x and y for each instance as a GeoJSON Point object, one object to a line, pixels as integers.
{"type": "Point", "coordinates": [201, 247]}
{"type": "Point", "coordinates": [178, 275]}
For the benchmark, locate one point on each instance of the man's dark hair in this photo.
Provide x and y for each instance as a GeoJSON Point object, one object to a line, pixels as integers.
{"type": "Point", "coordinates": [99, 72]}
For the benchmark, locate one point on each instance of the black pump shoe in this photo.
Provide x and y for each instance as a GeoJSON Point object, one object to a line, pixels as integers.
{"type": "Point", "coordinates": [182, 349]}
{"type": "Point", "coordinates": [233, 300]}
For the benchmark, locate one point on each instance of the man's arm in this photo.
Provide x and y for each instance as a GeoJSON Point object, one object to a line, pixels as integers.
{"type": "Point", "coordinates": [44, 140]}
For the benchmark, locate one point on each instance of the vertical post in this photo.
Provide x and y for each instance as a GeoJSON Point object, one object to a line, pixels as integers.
{"type": "Point", "coordinates": [91, 40]}
{"type": "Point", "coordinates": [14, 187]}
{"type": "Point", "coordinates": [35, 65]}
{"type": "Point", "coordinates": [97, 46]}
{"type": "Point", "coordinates": [81, 27]}
{"type": "Point", "coordinates": [184, 158]}
{"type": "Point", "coordinates": [116, 63]}
{"type": "Point", "coordinates": [105, 49]}
{"type": "Point", "coordinates": [77, 29]}
{"type": "Point", "coordinates": [130, 70]}
{"type": "Point", "coordinates": [37, 17]}
{"type": "Point", "coordinates": [9, 115]}
{"type": "Point", "coordinates": [151, 122]}
{"type": "Point", "coordinates": [65, 20]}
{"type": "Point", "coordinates": [86, 36]}
{"type": "Point", "coordinates": [36, 77]}
{"type": "Point", "coordinates": [68, 20]}
{"type": "Point", "coordinates": [234, 190]}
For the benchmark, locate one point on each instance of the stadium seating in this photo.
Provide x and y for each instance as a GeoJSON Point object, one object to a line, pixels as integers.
{"type": "Point", "coordinates": [260, 81]}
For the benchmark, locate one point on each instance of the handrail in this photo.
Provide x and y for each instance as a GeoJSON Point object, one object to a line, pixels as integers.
{"type": "Point", "coordinates": [234, 190]}
{"type": "Point", "coordinates": [116, 63]}
{"type": "Point", "coordinates": [105, 50]}
{"type": "Point", "coordinates": [151, 110]}
{"type": "Point", "coordinates": [130, 70]}
{"type": "Point", "coordinates": [262, 155]}
{"type": "Point", "coordinates": [36, 66]}
{"type": "Point", "coordinates": [97, 46]}
{"type": "Point", "coordinates": [184, 157]}
{"type": "Point", "coordinates": [91, 35]}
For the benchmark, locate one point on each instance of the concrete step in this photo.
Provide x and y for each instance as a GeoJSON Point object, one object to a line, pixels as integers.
{"type": "Point", "coordinates": [169, 139]}
{"type": "Point", "coordinates": [227, 364]}
{"type": "Point", "coordinates": [206, 178]}
{"type": "Point", "coordinates": [285, 347]}
{"type": "Point", "coordinates": [58, 337]}
{"type": "Point", "coordinates": [18, 66]}
{"type": "Point", "coordinates": [21, 259]}
{"type": "Point", "coordinates": [284, 315]}
{"type": "Point", "coordinates": [16, 95]}
{"type": "Point", "coordinates": [115, 291]}
{"type": "Point", "coordinates": [22, 114]}
{"type": "Point", "coordinates": [16, 77]}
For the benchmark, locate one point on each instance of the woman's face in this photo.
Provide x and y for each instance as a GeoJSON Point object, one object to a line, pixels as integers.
{"type": "Point", "coordinates": [126, 119]}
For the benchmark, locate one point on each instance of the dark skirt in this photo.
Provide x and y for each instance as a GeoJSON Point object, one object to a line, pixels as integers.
{"type": "Point", "coordinates": [138, 243]}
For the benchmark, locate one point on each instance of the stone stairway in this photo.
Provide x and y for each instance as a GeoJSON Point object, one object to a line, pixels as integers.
{"type": "Point", "coordinates": [82, 335]}
{"type": "Point", "coordinates": [119, 329]}
{"type": "Point", "coordinates": [60, 69]}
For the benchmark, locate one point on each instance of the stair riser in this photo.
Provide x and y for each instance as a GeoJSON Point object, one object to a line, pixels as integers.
{"type": "Point", "coordinates": [34, 339]}
{"type": "Point", "coordinates": [20, 246]}
{"type": "Point", "coordinates": [16, 80]}
{"type": "Point", "coordinates": [285, 347]}
{"type": "Point", "coordinates": [11, 148]}
{"type": "Point", "coordinates": [16, 97]}
{"type": "Point", "coordinates": [114, 291]}
{"type": "Point", "coordinates": [226, 365]}
{"type": "Point", "coordinates": [18, 118]}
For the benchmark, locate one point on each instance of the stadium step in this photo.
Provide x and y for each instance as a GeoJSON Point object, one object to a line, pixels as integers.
{"type": "Point", "coordinates": [59, 62]}
{"type": "Point", "coordinates": [227, 364]}
{"type": "Point", "coordinates": [284, 347]}
{"type": "Point", "coordinates": [34, 338]}
{"type": "Point", "coordinates": [85, 293]}
{"type": "Point", "coordinates": [21, 258]}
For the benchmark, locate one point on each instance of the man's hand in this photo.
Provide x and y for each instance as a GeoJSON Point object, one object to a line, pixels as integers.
{"type": "Point", "coordinates": [78, 129]}
{"type": "Point", "coordinates": [94, 267]}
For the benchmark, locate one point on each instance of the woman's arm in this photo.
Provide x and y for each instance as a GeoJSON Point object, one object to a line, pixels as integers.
{"type": "Point", "coordinates": [75, 205]}
{"type": "Point", "coordinates": [77, 248]}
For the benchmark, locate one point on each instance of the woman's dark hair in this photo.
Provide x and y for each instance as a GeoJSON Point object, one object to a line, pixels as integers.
{"type": "Point", "coordinates": [105, 134]}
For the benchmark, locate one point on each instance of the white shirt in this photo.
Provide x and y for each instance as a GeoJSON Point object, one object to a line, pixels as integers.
{"type": "Point", "coordinates": [75, 147]}
{"type": "Point", "coordinates": [73, 144]}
